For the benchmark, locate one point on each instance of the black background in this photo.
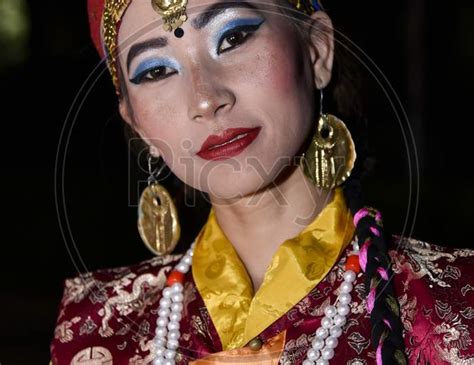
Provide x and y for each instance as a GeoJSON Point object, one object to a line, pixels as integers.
{"type": "Point", "coordinates": [426, 52]}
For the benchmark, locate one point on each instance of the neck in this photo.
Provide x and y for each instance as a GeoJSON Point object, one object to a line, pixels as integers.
{"type": "Point", "coordinates": [259, 223]}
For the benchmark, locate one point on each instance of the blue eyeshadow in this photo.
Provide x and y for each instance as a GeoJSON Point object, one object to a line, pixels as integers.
{"type": "Point", "coordinates": [237, 23]}
{"type": "Point", "coordinates": [149, 64]}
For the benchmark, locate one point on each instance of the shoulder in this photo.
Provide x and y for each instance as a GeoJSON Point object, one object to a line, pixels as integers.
{"type": "Point", "coordinates": [439, 266]}
{"type": "Point", "coordinates": [96, 285]}
{"type": "Point", "coordinates": [435, 289]}
{"type": "Point", "coordinates": [96, 305]}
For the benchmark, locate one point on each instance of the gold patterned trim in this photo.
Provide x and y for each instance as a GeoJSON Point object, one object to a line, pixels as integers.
{"type": "Point", "coordinates": [304, 6]}
{"type": "Point", "coordinates": [113, 12]}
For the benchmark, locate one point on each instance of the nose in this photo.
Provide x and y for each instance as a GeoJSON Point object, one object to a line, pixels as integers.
{"type": "Point", "coordinates": [207, 95]}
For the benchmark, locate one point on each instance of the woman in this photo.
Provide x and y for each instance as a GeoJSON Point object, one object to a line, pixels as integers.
{"type": "Point", "coordinates": [285, 270]}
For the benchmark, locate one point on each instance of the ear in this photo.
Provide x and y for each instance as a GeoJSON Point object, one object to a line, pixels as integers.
{"type": "Point", "coordinates": [125, 113]}
{"type": "Point", "coordinates": [321, 47]}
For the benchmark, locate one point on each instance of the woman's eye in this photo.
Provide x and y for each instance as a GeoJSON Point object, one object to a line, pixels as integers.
{"type": "Point", "coordinates": [236, 37]}
{"type": "Point", "coordinates": [233, 40]}
{"type": "Point", "coordinates": [155, 74]}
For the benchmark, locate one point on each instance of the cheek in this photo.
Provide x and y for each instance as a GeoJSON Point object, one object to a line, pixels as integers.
{"type": "Point", "coordinates": [279, 84]}
{"type": "Point", "coordinates": [156, 120]}
{"type": "Point", "coordinates": [278, 67]}
{"type": "Point", "coordinates": [284, 93]}
{"type": "Point", "coordinates": [151, 112]}
{"type": "Point", "coordinates": [280, 73]}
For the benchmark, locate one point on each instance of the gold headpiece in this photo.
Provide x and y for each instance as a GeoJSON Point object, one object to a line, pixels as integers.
{"type": "Point", "coordinates": [113, 12]}
{"type": "Point", "coordinates": [173, 12]}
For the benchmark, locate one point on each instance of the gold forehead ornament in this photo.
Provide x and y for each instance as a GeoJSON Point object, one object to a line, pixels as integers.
{"type": "Point", "coordinates": [174, 15]}
{"type": "Point", "coordinates": [173, 12]}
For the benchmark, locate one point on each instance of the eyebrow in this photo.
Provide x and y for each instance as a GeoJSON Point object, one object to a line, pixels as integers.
{"type": "Point", "coordinates": [199, 22]}
{"type": "Point", "coordinates": [144, 46]}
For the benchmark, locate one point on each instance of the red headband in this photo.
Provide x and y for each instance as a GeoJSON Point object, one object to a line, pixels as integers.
{"type": "Point", "coordinates": [95, 9]}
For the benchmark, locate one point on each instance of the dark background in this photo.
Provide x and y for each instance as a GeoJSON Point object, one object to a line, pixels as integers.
{"type": "Point", "coordinates": [426, 52]}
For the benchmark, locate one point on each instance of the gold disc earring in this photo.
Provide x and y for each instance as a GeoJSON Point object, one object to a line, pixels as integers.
{"type": "Point", "coordinates": [330, 158]}
{"type": "Point", "coordinates": [158, 222]}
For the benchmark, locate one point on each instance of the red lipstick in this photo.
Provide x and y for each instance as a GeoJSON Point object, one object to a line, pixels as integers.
{"type": "Point", "coordinates": [230, 143]}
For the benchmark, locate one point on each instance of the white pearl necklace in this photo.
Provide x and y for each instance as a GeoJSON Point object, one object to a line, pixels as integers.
{"type": "Point", "coordinates": [322, 347]}
{"type": "Point", "coordinates": [169, 314]}
{"type": "Point", "coordinates": [171, 306]}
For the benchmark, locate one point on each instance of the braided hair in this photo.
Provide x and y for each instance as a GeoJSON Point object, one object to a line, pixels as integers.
{"type": "Point", "coordinates": [382, 304]}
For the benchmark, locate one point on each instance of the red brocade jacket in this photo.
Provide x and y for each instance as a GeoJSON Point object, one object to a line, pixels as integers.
{"type": "Point", "coordinates": [109, 316]}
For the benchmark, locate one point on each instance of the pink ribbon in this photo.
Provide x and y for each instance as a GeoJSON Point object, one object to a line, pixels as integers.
{"type": "Point", "coordinates": [375, 231]}
{"type": "Point", "coordinates": [383, 273]}
{"type": "Point", "coordinates": [359, 215]}
{"type": "Point", "coordinates": [378, 354]}
{"type": "Point", "coordinates": [363, 254]}
{"type": "Point", "coordinates": [378, 216]}
{"type": "Point", "coordinates": [371, 300]}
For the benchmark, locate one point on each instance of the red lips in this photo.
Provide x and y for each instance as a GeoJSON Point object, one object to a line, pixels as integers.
{"type": "Point", "coordinates": [220, 147]}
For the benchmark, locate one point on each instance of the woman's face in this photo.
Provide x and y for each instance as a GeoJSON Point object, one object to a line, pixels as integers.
{"type": "Point", "coordinates": [238, 67]}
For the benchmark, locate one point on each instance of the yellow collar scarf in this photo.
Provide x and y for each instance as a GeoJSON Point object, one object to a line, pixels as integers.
{"type": "Point", "coordinates": [302, 262]}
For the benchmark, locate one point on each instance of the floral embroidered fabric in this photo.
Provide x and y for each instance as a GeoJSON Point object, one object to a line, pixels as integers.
{"type": "Point", "coordinates": [109, 315]}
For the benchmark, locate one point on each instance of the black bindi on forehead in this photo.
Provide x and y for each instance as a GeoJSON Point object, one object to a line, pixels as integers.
{"type": "Point", "coordinates": [178, 32]}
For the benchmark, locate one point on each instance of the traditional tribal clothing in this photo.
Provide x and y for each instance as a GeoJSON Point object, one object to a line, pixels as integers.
{"type": "Point", "coordinates": [110, 315]}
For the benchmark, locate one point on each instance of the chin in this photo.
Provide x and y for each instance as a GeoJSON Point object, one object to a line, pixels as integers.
{"type": "Point", "coordinates": [232, 187]}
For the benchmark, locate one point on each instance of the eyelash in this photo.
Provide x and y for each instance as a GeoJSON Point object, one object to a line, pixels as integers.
{"type": "Point", "coordinates": [249, 29]}
{"type": "Point", "coordinates": [143, 76]}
